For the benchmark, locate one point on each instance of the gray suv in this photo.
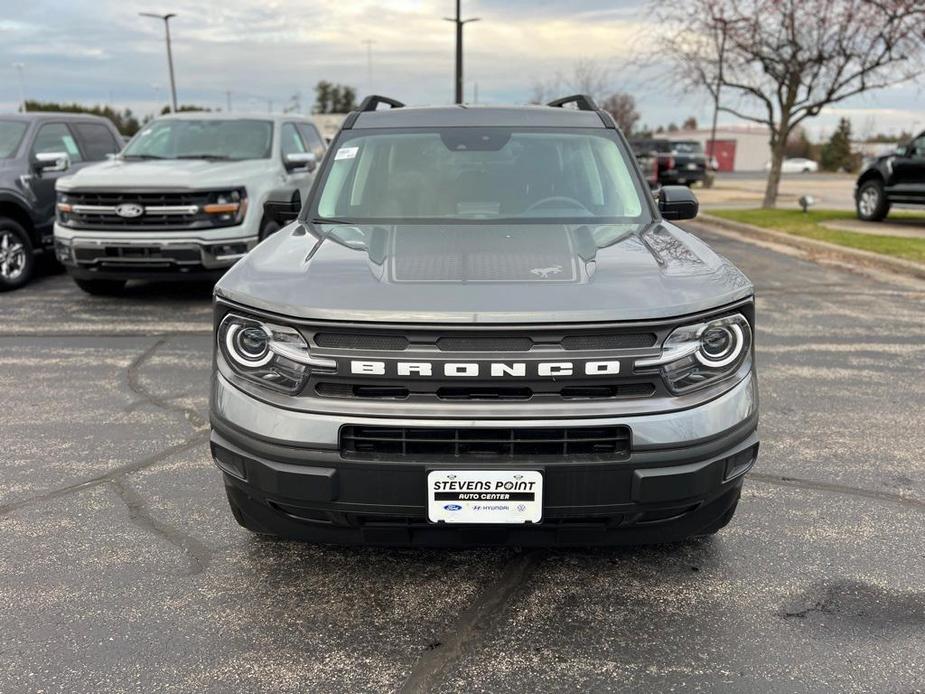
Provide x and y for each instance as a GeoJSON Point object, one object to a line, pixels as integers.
{"type": "Point", "coordinates": [36, 149]}
{"type": "Point", "coordinates": [482, 328]}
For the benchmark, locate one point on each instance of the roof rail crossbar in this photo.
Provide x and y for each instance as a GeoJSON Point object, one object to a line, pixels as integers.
{"type": "Point", "coordinates": [582, 101]}
{"type": "Point", "coordinates": [371, 102]}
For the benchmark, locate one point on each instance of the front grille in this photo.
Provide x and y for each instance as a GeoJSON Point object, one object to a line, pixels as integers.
{"type": "Point", "coordinates": [609, 341]}
{"type": "Point", "coordinates": [372, 342]}
{"type": "Point", "coordinates": [381, 442]}
{"type": "Point", "coordinates": [485, 392]}
{"type": "Point", "coordinates": [484, 344]}
{"type": "Point", "coordinates": [431, 349]}
{"type": "Point", "coordinates": [383, 342]}
{"type": "Point", "coordinates": [94, 210]}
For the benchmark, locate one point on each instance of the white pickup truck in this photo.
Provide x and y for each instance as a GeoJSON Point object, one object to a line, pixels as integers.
{"type": "Point", "coordinates": [184, 199]}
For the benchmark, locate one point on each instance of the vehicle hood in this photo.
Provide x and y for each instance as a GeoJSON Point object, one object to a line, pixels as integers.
{"type": "Point", "coordinates": [124, 174]}
{"type": "Point", "coordinates": [523, 273]}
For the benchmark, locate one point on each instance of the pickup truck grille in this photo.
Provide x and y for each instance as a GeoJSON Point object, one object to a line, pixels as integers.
{"type": "Point", "coordinates": [382, 442]}
{"type": "Point", "coordinates": [163, 211]}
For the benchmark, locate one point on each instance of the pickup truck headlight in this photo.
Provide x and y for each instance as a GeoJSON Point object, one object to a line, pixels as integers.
{"type": "Point", "coordinates": [273, 356]}
{"type": "Point", "coordinates": [227, 207]}
{"type": "Point", "coordinates": [699, 355]}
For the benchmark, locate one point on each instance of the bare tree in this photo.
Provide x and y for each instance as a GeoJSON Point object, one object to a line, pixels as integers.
{"type": "Point", "coordinates": [587, 77]}
{"type": "Point", "coordinates": [622, 107]}
{"type": "Point", "coordinates": [785, 60]}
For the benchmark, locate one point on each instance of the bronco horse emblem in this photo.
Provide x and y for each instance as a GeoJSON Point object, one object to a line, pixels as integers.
{"type": "Point", "coordinates": [544, 272]}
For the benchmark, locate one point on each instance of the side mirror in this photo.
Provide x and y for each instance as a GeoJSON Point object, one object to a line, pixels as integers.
{"type": "Point", "coordinates": [52, 161]}
{"type": "Point", "coordinates": [677, 202]}
{"type": "Point", "coordinates": [282, 212]}
{"type": "Point", "coordinates": [901, 151]}
{"type": "Point", "coordinates": [301, 161]}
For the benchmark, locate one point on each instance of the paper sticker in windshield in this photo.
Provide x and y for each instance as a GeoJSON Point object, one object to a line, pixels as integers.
{"type": "Point", "coordinates": [346, 153]}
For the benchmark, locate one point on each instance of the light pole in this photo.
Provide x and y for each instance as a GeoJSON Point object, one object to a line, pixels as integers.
{"type": "Point", "coordinates": [459, 21]}
{"type": "Point", "coordinates": [719, 84]}
{"type": "Point", "coordinates": [22, 86]}
{"type": "Point", "coordinates": [369, 65]}
{"type": "Point", "coordinates": [173, 85]}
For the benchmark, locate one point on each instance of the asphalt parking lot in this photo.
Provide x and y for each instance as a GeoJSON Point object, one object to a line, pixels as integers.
{"type": "Point", "coordinates": [121, 568]}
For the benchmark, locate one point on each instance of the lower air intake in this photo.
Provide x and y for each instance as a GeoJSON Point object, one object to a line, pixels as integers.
{"type": "Point", "coordinates": [375, 442]}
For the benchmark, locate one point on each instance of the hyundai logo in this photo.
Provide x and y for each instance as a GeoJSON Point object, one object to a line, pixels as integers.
{"type": "Point", "coordinates": [130, 210]}
{"type": "Point", "coordinates": [453, 507]}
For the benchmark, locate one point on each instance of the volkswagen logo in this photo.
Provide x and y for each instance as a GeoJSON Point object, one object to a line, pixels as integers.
{"type": "Point", "coordinates": [130, 210]}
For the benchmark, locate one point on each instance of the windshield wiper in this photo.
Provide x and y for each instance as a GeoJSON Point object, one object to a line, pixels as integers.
{"type": "Point", "coordinates": [204, 155]}
{"type": "Point", "coordinates": [142, 156]}
{"type": "Point", "coordinates": [330, 220]}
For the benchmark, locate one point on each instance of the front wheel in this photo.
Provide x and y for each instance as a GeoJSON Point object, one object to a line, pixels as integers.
{"type": "Point", "coordinates": [872, 205]}
{"type": "Point", "coordinates": [101, 287]}
{"type": "Point", "coordinates": [16, 258]}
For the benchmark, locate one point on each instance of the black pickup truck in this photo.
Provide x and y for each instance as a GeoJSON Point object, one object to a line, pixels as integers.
{"type": "Point", "coordinates": [35, 150]}
{"type": "Point", "coordinates": [898, 177]}
{"type": "Point", "coordinates": [677, 162]}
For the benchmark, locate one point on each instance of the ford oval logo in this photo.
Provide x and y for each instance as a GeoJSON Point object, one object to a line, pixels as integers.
{"type": "Point", "coordinates": [130, 210]}
{"type": "Point", "coordinates": [453, 507]}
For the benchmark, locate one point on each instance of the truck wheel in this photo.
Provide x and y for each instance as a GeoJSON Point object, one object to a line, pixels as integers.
{"type": "Point", "coordinates": [16, 258]}
{"type": "Point", "coordinates": [101, 287]}
{"type": "Point", "coordinates": [872, 204]}
{"type": "Point", "coordinates": [268, 229]}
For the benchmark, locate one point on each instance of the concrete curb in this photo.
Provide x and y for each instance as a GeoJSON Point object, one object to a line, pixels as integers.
{"type": "Point", "coordinates": [814, 248]}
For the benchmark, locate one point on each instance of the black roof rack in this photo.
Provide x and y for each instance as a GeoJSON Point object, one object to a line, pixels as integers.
{"type": "Point", "coordinates": [370, 103]}
{"type": "Point", "coordinates": [582, 101]}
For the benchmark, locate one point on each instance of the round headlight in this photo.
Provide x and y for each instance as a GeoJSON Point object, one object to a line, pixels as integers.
{"type": "Point", "coordinates": [720, 345]}
{"type": "Point", "coordinates": [249, 346]}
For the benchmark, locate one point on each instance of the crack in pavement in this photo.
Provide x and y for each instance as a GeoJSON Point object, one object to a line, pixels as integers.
{"type": "Point", "coordinates": [486, 607]}
{"type": "Point", "coordinates": [185, 445]}
{"type": "Point", "coordinates": [134, 383]}
{"type": "Point", "coordinates": [198, 553]}
{"type": "Point", "coordinates": [889, 497]}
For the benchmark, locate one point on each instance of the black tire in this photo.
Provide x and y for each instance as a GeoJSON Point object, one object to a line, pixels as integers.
{"type": "Point", "coordinates": [101, 287]}
{"type": "Point", "coordinates": [17, 261]}
{"type": "Point", "coordinates": [268, 229]}
{"type": "Point", "coordinates": [871, 202]}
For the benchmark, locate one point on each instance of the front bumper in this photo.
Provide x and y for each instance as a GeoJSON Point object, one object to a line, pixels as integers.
{"type": "Point", "coordinates": [685, 469]}
{"type": "Point", "coordinates": [113, 255]}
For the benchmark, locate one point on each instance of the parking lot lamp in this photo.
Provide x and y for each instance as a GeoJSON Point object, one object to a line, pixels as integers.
{"type": "Point", "coordinates": [22, 86]}
{"type": "Point", "coordinates": [459, 21]}
{"type": "Point", "coordinates": [173, 85]}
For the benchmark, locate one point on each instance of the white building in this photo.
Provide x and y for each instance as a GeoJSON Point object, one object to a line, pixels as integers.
{"type": "Point", "coordinates": [738, 147]}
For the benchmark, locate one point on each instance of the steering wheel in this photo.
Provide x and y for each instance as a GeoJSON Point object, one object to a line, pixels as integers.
{"type": "Point", "coordinates": [557, 198]}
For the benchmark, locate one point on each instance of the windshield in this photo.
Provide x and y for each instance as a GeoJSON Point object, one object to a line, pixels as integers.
{"type": "Point", "coordinates": [205, 139]}
{"type": "Point", "coordinates": [11, 133]}
{"type": "Point", "coordinates": [688, 147]}
{"type": "Point", "coordinates": [473, 174]}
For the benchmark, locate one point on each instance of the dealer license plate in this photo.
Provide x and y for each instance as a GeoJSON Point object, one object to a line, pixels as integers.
{"type": "Point", "coordinates": [485, 496]}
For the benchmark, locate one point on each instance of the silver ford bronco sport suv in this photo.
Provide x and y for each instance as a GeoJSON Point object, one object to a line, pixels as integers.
{"type": "Point", "coordinates": [482, 328]}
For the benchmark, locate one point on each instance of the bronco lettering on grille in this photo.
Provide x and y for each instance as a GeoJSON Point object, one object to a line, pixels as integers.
{"type": "Point", "coordinates": [545, 369]}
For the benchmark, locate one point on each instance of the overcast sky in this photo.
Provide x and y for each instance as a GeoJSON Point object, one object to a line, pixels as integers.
{"type": "Point", "coordinates": [101, 51]}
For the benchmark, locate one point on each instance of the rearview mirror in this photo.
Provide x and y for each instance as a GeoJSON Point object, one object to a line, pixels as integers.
{"type": "Point", "coordinates": [677, 202]}
{"type": "Point", "coordinates": [52, 161]}
{"type": "Point", "coordinates": [301, 161]}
